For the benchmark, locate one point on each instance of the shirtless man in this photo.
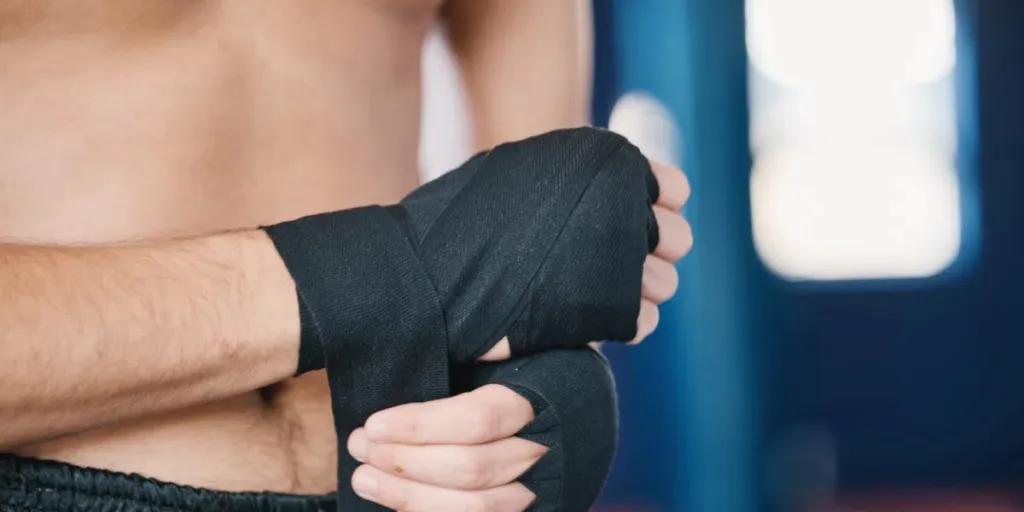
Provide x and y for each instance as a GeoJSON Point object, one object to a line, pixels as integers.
{"type": "Point", "coordinates": [140, 145]}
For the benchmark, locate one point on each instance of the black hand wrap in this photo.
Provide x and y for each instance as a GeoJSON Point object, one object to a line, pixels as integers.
{"type": "Point", "coordinates": [541, 240]}
{"type": "Point", "coordinates": [573, 397]}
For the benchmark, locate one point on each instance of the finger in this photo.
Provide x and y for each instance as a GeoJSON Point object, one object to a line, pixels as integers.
{"type": "Point", "coordinates": [486, 414]}
{"type": "Point", "coordinates": [660, 280]}
{"type": "Point", "coordinates": [647, 322]}
{"type": "Point", "coordinates": [676, 237]}
{"type": "Point", "coordinates": [399, 494]}
{"type": "Point", "coordinates": [450, 466]}
{"type": "Point", "coordinates": [499, 352]}
{"type": "Point", "coordinates": [674, 187]}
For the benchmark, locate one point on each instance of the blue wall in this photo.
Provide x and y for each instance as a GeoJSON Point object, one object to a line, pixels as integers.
{"type": "Point", "coordinates": [924, 387]}
{"type": "Point", "coordinates": [691, 395]}
{"type": "Point", "coordinates": [921, 386]}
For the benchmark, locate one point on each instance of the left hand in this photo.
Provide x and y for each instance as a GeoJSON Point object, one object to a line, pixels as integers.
{"type": "Point", "coordinates": [457, 453]}
{"type": "Point", "coordinates": [660, 280]}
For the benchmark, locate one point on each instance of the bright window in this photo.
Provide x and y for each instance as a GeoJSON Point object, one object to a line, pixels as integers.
{"type": "Point", "coordinates": [853, 131]}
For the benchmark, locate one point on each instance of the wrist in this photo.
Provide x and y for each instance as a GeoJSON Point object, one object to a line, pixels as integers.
{"type": "Point", "coordinates": [270, 305]}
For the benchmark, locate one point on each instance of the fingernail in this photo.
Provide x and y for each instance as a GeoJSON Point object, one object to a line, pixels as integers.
{"type": "Point", "coordinates": [364, 485]}
{"type": "Point", "coordinates": [376, 429]}
{"type": "Point", "coordinates": [357, 447]}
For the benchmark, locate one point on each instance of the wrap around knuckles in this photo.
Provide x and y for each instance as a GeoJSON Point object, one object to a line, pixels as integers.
{"type": "Point", "coordinates": [541, 240]}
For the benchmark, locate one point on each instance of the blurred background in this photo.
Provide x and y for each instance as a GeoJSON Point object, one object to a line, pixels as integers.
{"type": "Point", "coordinates": [848, 334]}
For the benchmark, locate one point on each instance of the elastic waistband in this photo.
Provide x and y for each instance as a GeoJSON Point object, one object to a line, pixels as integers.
{"type": "Point", "coordinates": [47, 486]}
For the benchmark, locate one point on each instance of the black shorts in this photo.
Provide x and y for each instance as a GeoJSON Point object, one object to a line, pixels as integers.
{"type": "Point", "coordinates": [45, 486]}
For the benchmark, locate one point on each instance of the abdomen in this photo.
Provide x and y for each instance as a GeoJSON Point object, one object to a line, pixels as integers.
{"type": "Point", "coordinates": [208, 117]}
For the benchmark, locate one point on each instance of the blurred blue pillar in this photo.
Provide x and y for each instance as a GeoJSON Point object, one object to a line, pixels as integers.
{"type": "Point", "coordinates": [691, 55]}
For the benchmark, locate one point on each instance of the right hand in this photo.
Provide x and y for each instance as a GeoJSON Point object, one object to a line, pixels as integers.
{"type": "Point", "coordinates": [544, 426]}
{"type": "Point", "coordinates": [457, 453]}
{"type": "Point", "coordinates": [660, 279]}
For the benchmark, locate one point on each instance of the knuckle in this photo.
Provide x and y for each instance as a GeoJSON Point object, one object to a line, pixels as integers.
{"type": "Point", "coordinates": [666, 289]}
{"type": "Point", "coordinates": [687, 234]}
{"type": "Point", "coordinates": [481, 422]}
{"type": "Point", "coordinates": [407, 423]}
{"type": "Point", "coordinates": [673, 282]}
{"type": "Point", "coordinates": [472, 470]}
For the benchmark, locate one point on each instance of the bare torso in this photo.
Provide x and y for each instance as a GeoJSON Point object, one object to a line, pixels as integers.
{"type": "Point", "coordinates": [132, 120]}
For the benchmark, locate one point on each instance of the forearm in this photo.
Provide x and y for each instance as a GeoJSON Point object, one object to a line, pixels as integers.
{"type": "Point", "coordinates": [93, 335]}
{"type": "Point", "coordinates": [527, 65]}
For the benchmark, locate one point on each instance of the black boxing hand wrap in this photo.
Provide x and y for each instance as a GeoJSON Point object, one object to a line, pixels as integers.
{"type": "Point", "coordinates": [541, 240]}
{"type": "Point", "coordinates": [574, 400]}
{"type": "Point", "coordinates": [371, 313]}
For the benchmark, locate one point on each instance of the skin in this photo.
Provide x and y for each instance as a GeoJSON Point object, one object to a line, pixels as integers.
{"type": "Point", "coordinates": [462, 451]}
{"type": "Point", "coordinates": [148, 327]}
